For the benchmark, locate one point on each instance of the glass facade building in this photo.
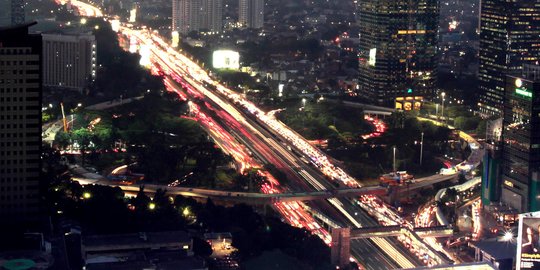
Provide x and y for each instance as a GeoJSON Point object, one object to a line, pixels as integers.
{"type": "Point", "coordinates": [509, 38]}
{"type": "Point", "coordinates": [398, 48]}
{"type": "Point", "coordinates": [521, 142]}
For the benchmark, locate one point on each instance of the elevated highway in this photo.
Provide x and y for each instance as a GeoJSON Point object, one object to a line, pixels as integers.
{"type": "Point", "coordinates": [235, 196]}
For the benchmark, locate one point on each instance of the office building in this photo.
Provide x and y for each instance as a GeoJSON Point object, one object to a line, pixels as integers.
{"type": "Point", "coordinates": [20, 124]}
{"type": "Point", "coordinates": [397, 50]}
{"type": "Point", "coordinates": [509, 38]}
{"type": "Point", "coordinates": [491, 174]}
{"type": "Point", "coordinates": [521, 141]}
{"type": "Point", "coordinates": [17, 12]}
{"type": "Point", "coordinates": [212, 15]}
{"type": "Point", "coordinates": [186, 15]}
{"type": "Point", "coordinates": [69, 61]}
{"type": "Point", "coordinates": [251, 13]}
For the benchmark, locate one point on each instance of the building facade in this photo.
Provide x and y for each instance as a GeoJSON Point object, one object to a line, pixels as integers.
{"type": "Point", "coordinates": [20, 124]}
{"type": "Point", "coordinates": [251, 13]}
{"type": "Point", "coordinates": [521, 141]}
{"type": "Point", "coordinates": [509, 38]}
{"type": "Point", "coordinates": [17, 12]}
{"type": "Point", "coordinates": [398, 47]}
{"type": "Point", "coordinates": [69, 61]}
{"type": "Point", "coordinates": [212, 15]}
{"type": "Point", "coordinates": [186, 15]}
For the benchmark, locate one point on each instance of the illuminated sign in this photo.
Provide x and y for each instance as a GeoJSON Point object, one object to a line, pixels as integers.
{"type": "Point", "coordinates": [372, 56]}
{"type": "Point", "coordinates": [280, 89]}
{"type": "Point", "coordinates": [409, 103]}
{"type": "Point", "coordinates": [144, 52]}
{"type": "Point", "coordinates": [115, 25]}
{"type": "Point", "coordinates": [133, 15]}
{"type": "Point", "coordinates": [411, 32]}
{"type": "Point", "coordinates": [523, 92]}
{"type": "Point", "coordinates": [518, 82]}
{"type": "Point", "coordinates": [409, 90]}
{"type": "Point", "coordinates": [528, 248]}
{"type": "Point", "coordinates": [226, 59]}
{"type": "Point", "coordinates": [175, 39]}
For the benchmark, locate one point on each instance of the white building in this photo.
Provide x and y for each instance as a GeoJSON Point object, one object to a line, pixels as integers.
{"type": "Point", "coordinates": [69, 61]}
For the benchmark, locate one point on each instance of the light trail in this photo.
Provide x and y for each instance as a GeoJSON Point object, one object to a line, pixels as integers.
{"type": "Point", "coordinates": [198, 83]}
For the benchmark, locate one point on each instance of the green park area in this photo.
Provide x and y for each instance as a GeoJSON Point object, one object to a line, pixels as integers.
{"type": "Point", "coordinates": [367, 159]}
{"type": "Point", "coordinates": [151, 136]}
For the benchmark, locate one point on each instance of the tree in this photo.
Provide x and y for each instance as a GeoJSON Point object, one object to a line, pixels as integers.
{"type": "Point", "coordinates": [63, 139]}
{"type": "Point", "coordinates": [83, 137]}
{"type": "Point", "coordinates": [201, 247]}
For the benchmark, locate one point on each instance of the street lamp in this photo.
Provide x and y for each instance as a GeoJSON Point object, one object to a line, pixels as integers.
{"type": "Point", "coordinates": [304, 102]}
{"type": "Point", "coordinates": [508, 236]}
{"type": "Point", "coordinates": [442, 105]}
{"type": "Point", "coordinates": [421, 147]}
{"type": "Point", "coordinates": [394, 159]}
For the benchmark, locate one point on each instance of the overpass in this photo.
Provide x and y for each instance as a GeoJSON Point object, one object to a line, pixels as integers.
{"type": "Point", "coordinates": [234, 196]}
{"type": "Point", "coordinates": [341, 238]}
{"type": "Point", "coordinates": [396, 230]}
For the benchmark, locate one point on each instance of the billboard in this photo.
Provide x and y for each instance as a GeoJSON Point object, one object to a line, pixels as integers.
{"type": "Point", "coordinates": [528, 241]}
{"type": "Point", "coordinates": [226, 59]}
{"type": "Point", "coordinates": [372, 56]}
{"type": "Point", "coordinates": [175, 39]}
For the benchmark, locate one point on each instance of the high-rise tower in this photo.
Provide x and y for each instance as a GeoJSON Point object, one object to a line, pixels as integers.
{"type": "Point", "coordinates": [509, 38]}
{"type": "Point", "coordinates": [212, 15]}
{"type": "Point", "coordinates": [186, 15]}
{"type": "Point", "coordinates": [20, 124]}
{"type": "Point", "coordinates": [521, 141]}
{"type": "Point", "coordinates": [398, 47]}
{"type": "Point", "coordinates": [251, 13]}
{"type": "Point", "coordinates": [17, 12]}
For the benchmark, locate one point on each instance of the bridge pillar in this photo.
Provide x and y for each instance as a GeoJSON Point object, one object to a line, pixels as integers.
{"type": "Point", "coordinates": [340, 251]}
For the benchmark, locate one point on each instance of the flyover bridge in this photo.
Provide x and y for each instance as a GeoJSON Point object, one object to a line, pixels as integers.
{"type": "Point", "coordinates": [396, 230]}
{"type": "Point", "coordinates": [341, 240]}
{"type": "Point", "coordinates": [233, 196]}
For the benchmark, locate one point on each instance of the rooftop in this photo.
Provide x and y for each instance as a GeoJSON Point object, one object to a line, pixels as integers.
{"type": "Point", "coordinates": [499, 250]}
{"type": "Point", "coordinates": [137, 238]}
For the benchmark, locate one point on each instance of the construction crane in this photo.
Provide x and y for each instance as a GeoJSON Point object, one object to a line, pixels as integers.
{"type": "Point", "coordinates": [64, 117]}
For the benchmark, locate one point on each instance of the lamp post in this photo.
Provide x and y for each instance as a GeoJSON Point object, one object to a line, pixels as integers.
{"type": "Point", "coordinates": [421, 147]}
{"type": "Point", "coordinates": [394, 159]}
{"type": "Point", "coordinates": [442, 106]}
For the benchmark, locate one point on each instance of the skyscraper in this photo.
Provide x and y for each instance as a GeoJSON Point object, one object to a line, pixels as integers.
{"type": "Point", "coordinates": [251, 13]}
{"type": "Point", "coordinates": [69, 61]}
{"type": "Point", "coordinates": [212, 15]}
{"type": "Point", "coordinates": [509, 38]}
{"type": "Point", "coordinates": [17, 12]}
{"type": "Point", "coordinates": [20, 123]}
{"type": "Point", "coordinates": [186, 15]}
{"type": "Point", "coordinates": [398, 47]}
{"type": "Point", "coordinates": [521, 141]}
